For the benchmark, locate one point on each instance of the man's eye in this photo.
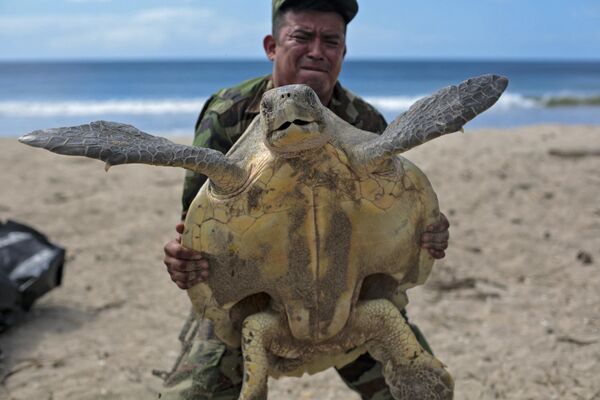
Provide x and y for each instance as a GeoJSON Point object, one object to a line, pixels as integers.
{"type": "Point", "coordinates": [301, 38]}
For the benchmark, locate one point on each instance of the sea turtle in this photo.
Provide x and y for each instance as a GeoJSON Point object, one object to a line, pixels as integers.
{"type": "Point", "coordinates": [311, 229]}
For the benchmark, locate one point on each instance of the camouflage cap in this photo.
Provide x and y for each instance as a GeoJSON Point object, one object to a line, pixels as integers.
{"type": "Point", "coordinates": [346, 8]}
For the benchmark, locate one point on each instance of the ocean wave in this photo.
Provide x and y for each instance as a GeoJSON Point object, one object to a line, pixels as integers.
{"type": "Point", "coordinates": [390, 104]}
{"type": "Point", "coordinates": [568, 101]}
{"type": "Point", "coordinates": [100, 107]}
{"type": "Point", "coordinates": [402, 103]}
{"type": "Point", "coordinates": [508, 101]}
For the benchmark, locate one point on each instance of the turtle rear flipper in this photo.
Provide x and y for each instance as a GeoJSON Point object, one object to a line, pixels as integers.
{"type": "Point", "coordinates": [409, 370]}
{"type": "Point", "coordinates": [116, 143]}
{"type": "Point", "coordinates": [446, 111]}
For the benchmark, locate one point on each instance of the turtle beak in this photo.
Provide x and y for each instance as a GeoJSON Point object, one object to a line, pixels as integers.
{"type": "Point", "coordinates": [296, 134]}
{"type": "Point", "coordinates": [287, 124]}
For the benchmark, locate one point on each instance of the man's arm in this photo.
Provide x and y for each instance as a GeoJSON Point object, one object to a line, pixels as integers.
{"type": "Point", "coordinates": [186, 266]}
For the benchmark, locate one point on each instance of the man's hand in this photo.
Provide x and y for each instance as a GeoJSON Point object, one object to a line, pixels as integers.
{"type": "Point", "coordinates": [186, 266]}
{"type": "Point", "coordinates": [435, 238]}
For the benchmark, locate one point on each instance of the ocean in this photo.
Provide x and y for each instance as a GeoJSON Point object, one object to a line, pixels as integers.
{"type": "Point", "coordinates": [165, 97]}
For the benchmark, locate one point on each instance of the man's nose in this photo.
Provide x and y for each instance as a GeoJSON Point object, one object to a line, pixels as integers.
{"type": "Point", "coordinates": [316, 49]}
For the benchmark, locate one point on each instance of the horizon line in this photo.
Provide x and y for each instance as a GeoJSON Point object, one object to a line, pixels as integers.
{"type": "Point", "coordinates": [256, 59]}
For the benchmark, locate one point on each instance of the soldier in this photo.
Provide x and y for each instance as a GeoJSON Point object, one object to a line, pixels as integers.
{"type": "Point", "coordinates": [307, 45]}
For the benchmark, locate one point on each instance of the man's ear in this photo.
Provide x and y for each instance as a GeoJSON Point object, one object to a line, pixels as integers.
{"type": "Point", "coordinates": [345, 50]}
{"type": "Point", "coordinates": [269, 45]}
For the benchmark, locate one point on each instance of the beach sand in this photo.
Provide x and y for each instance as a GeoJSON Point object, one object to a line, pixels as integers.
{"type": "Point", "coordinates": [513, 309]}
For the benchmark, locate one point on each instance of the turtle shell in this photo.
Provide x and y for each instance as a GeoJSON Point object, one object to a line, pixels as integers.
{"type": "Point", "coordinates": [308, 237]}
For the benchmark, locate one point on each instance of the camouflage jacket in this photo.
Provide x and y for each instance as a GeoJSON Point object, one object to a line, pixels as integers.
{"type": "Point", "coordinates": [227, 114]}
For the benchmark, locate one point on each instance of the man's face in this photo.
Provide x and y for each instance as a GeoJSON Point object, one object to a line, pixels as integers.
{"type": "Point", "coordinates": [309, 49]}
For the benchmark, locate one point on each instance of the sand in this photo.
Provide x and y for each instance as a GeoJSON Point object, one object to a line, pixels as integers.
{"type": "Point", "coordinates": [513, 309]}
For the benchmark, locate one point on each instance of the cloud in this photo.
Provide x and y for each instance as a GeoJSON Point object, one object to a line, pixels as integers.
{"type": "Point", "coordinates": [19, 26]}
{"type": "Point", "coordinates": [169, 15]}
{"type": "Point", "coordinates": [151, 31]}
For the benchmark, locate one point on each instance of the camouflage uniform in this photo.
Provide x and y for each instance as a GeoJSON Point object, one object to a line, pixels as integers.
{"type": "Point", "coordinates": [207, 369]}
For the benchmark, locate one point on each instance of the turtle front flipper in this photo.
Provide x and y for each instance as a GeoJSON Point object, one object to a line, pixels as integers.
{"type": "Point", "coordinates": [116, 143]}
{"type": "Point", "coordinates": [446, 111]}
{"type": "Point", "coordinates": [410, 372]}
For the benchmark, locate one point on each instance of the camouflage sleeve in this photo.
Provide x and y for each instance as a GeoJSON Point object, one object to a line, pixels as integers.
{"type": "Point", "coordinates": [377, 123]}
{"type": "Point", "coordinates": [370, 119]}
{"type": "Point", "coordinates": [353, 109]}
{"type": "Point", "coordinates": [208, 133]}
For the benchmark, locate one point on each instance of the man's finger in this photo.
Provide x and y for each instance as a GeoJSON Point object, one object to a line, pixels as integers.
{"type": "Point", "coordinates": [176, 250]}
{"type": "Point", "coordinates": [435, 245]}
{"type": "Point", "coordinates": [441, 225]}
{"type": "Point", "coordinates": [182, 269]}
{"type": "Point", "coordinates": [196, 266]}
{"type": "Point", "coordinates": [197, 276]}
{"type": "Point", "coordinates": [184, 253]}
{"type": "Point", "coordinates": [439, 237]}
{"type": "Point", "coordinates": [437, 254]}
{"type": "Point", "coordinates": [182, 285]}
{"type": "Point", "coordinates": [185, 266]}
{"type": "Point", "coordinates": [189, 284]}
{"type": "Point", "coordinates": [177, 276]}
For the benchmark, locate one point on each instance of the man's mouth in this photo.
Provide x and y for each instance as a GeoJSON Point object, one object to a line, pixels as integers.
{"type": "Point", "coordinates": [314, 68]}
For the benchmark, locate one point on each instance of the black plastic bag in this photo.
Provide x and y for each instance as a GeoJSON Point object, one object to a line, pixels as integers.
{"type": "Point", "coordinates": [30, 266]}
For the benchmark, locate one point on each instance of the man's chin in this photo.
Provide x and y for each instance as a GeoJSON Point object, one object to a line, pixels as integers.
{"type": "Point", "coordinates": [313, 75]}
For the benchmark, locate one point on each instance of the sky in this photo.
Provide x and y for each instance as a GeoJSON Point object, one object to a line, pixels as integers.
{"type": "Point", "coordinates": [233, 29]}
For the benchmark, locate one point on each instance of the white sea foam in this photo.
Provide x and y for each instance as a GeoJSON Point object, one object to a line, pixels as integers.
{"type": "Point", "coordinates": [393, 103]}
{"type": "Point", "coordinates": [100, 107]}
{"type": "Point", "coordinates": [515, 100]}
{"type": "Point", "coordinates": [402, 103]}
{"type": "Point", "coordinates": [389, 104]}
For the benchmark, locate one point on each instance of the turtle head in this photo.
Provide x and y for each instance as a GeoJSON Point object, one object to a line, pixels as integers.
{"type": "Point", "coordinates": [292, 120]}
